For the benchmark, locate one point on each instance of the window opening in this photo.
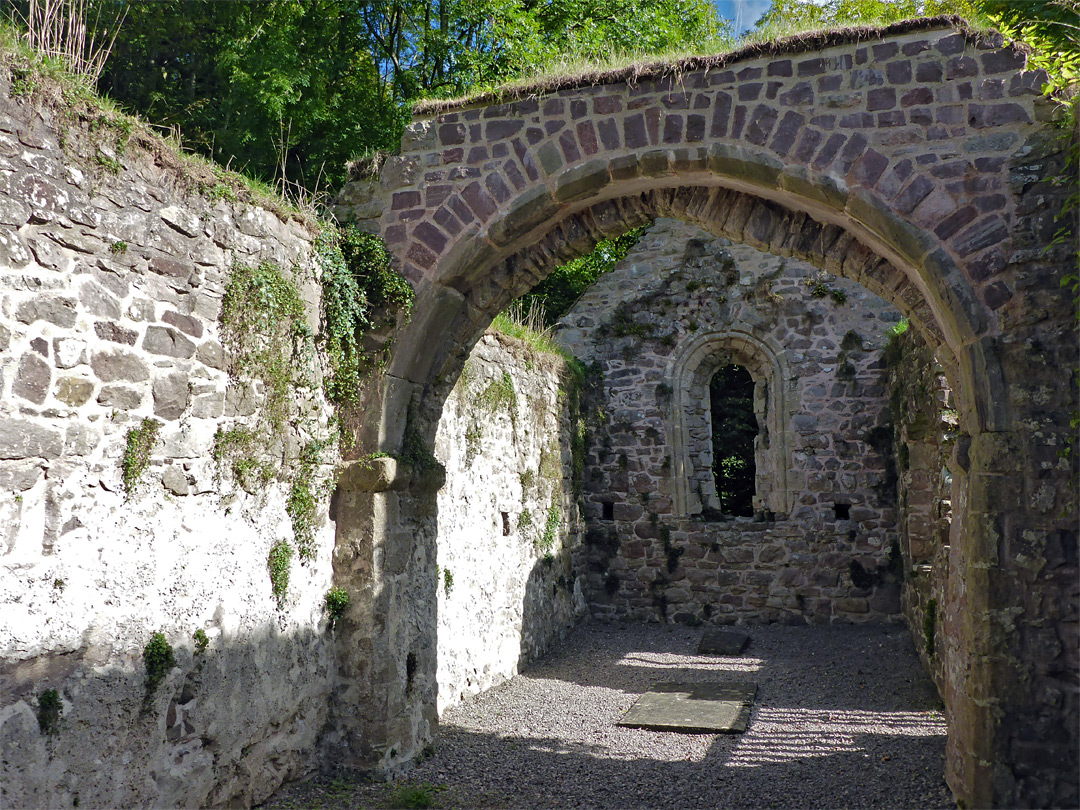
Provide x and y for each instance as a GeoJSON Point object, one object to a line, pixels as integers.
{"type": "Point", "coordinates": [842, 511]}
{"type": "Point", "coordinates": [734, 429]}
{"type": "Point", "coordinates": [609, 511]}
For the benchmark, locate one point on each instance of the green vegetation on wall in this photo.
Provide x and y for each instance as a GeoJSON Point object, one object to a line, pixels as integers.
{"type": "Point", "coordinates": [158, 659]}
{"type": "Point", "coordinates": [360, 292]}
{"type": "Point", "coordinates": [278, 563]}
{"type": "Point", "coordinates": [50, 710]}
{"type": "Point", "coordinates": [336, 603]}
{"type": "Point", "coordinates": [137, 449]}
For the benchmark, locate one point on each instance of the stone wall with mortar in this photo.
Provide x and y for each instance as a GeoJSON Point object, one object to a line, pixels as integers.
{"type": "Point", "coordinates": [796, 560]}
{"type": "Point", "coordinates": [925, 425]}
{"type": "Point", "coordinates": [111, 283]}
{"type": "Point", "coordinates": [509, 540]}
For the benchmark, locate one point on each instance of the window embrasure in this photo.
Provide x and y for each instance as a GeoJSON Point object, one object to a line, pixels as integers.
{"type": "Point", "coordinates": [760, 379]}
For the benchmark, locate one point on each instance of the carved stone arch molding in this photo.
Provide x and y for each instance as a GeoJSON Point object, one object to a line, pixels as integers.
{"type": "Point", "coordinates": [690, 424]}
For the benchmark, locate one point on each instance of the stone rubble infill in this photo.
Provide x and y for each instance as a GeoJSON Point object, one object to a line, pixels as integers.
{"type": "Point", "coordinates": [844, 718]}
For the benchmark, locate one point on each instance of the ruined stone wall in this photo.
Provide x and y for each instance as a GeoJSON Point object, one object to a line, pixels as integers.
{"type": "Point", "coordinates": [654, 553]}
{"type": "Point", "coordinates": [509, 536]}
{"type": "Point", "coordinates": [111, 283]}
{"type": "Point", "coordinates": [925, 425]}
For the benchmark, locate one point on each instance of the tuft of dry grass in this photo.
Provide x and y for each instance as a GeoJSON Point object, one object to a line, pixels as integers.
{"type": "Point", "coordinates": [633, 69]}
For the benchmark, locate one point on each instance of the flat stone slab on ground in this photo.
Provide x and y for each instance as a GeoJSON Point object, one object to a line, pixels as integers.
{"type": "Point", "coordinates": [722, 642]}
{"type": "Point", "coordinates": [693, 708]}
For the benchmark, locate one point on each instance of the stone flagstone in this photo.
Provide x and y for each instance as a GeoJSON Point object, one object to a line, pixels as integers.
{"type": "Point", "coordinates": [723, 642]}
{"type": "Point", "coordinates": [693, 708]}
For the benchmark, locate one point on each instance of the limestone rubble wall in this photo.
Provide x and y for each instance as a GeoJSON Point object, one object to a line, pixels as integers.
{"type": "Point", "coordinates": [111, 281]}
{"type": "Point", "coordinates": [504, 594]}
{"type": "Point", "coordinates": [829, 443]}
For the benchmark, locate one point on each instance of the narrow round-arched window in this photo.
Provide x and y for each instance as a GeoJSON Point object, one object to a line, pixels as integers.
{"type": "Point", "coordinates": [729, 409]}
{"type": "Point", "coordinates": [734, 429]}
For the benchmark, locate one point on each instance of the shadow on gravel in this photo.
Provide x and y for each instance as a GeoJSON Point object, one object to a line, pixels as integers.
{"type": "Point", "coordinates": [851, 769]}
{"type": "Point", "coordinates": [844, 719]}
{"type": "Point", "coordinates": [843, 663]}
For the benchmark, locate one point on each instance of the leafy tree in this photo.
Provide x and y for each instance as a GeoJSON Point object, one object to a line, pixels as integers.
{"type": "Point", "coordinates": [566, 283]}
{"type": "Point", "coordinates": [1051, 27]}
{"type": "Point", "coordinates": [786, 16]}
{"type": "Point", "coordinates": [275, 89]}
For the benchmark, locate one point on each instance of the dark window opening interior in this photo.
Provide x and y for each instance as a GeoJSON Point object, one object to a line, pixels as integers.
{"type": "Point", "coordinates": [609, 511]}
{"type": "Point", "coordinates": [842, 511]}
{"type": "Point", "coordinates": [734, 428]}
{"type": "Point", "coordinates": [506, 524]}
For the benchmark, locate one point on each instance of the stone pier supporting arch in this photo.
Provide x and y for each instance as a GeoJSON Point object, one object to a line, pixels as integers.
{"type": "Point", "coordinates": [913, 159]}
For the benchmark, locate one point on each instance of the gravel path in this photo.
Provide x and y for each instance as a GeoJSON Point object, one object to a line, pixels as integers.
{"type": "Point", "coordinates": [844, 718]}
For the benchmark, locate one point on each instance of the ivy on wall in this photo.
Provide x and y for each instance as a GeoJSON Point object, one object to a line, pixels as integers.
{"type": "Point", "coordinates": [265, 331]}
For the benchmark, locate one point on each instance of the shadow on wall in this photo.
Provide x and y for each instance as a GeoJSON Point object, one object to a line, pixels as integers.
{"type": "Point", "coordinates": [225, 726]}
{"type": "Point", "coordinates": [552, 603]}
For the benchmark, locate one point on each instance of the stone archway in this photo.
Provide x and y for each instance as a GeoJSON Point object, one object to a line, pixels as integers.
{"type": "Point", "coordinates": [909, 159]}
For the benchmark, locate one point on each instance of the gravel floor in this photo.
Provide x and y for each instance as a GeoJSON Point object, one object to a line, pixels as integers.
{"type": "Point", "coordinates": [844, 718]}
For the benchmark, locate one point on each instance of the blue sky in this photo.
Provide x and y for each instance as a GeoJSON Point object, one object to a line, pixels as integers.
{"type": "Point", "coordinates": [742, 13]}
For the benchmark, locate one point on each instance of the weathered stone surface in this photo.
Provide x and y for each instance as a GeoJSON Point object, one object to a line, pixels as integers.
{"type": "Point", "coordinates": [719, 302]}
{"type": "Point", "coordinates": [185, 323]}
{"type": "Point", "coordinates": [723, 642]}
{"type": "Point", "coordinates": [73, 391]}
{"type": "Point", "coordinates": [21, 439]}
{"type": "Point", "coordinates": [174, 480]}
{"type": "Point", "coordinates": [59, 310]}
{"type": "Point", "coordinates": [170, 396]}
{"type": "Point", "coordinates": [32, 379]}
{"type": "Point", "coordinates": [98, 301]}
{"type": "Point", "coordinates": [185, 222]}
{"type": "Point", "coordinates": [693, 708]}
{"type": "Point", "coordinates": [118, 364]}
{"type": "Point", "coordinates": [166, 341]}
{"type": "Point", "coordinates": [115, 333]}
{"type": "Point", "coordinates": [122, 397]}
{"type": "Point", "coordinates": [68, 352]}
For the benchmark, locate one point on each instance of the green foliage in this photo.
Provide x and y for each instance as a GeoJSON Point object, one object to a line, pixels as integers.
{"type": "Point", "coordinates": [139, 444]}
{"type": "Point", "coordinates": [894, 346]}
{"type": "Point", "coordinates": [119, 247]}
{"type": "Point", "coordinates": [786, 17]}
{"type": "Point", "coordinates": [546, 541]}
{"type": "Point", "coordinates": [302, 503]}
{"type": "Point", "coordinates": [272, 89]}
{"type": "Point", "coordinates": [1050, 27]}
{"type": "Point", "coordinates": [412, 796]}
{"type": "Point", "coordinates": [448, 581]}
{"type": "Point", "coordinates": [263, 327]}
{"type": "Point", "coordinates": [158, 659]}
{"type": "Point", "coordinates": [336, 603]}
{"type": "Point", "coordinates": [278, 563]}
{"type": "Point", "coordinates": [201, 641]}
{"type": "Point", "coordinates": [498, 393]}
{"type": "Point", "coordinates": [564, 285]}
{"type": "Point", "coordinates": [360, 290]}
{"type": "Point", "coordinates": [527, 325]}
{"type": "Point", "coordinates": [50, 710]}
{"type": "Point", "coordinates": [414, 449]}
